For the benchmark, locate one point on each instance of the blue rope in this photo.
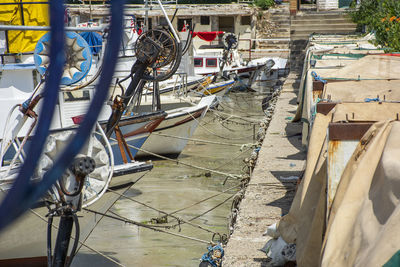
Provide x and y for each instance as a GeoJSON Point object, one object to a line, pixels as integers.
{"type": "Point", "coordinates": [207, 257]}
{"type": "Point", "coordinates": [29, 194]}
{"type": "Point", "coordinates": [316, 77]}
{"type": "Point", "coordinates": [372, 99]}
{"type": "Point", "coordinates": [10, 207]}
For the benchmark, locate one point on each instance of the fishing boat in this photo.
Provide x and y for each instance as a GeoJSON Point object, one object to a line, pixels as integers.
{"type": "Point", "coordinates": [218, 88]}
{"type": "Point", "coordinates": [23, 78]}
{"type": "Point", "coordinates": [173, 133]}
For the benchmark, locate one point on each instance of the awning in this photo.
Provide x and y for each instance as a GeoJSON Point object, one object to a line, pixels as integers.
{"type": "Point", "coordinates": [207, 36]}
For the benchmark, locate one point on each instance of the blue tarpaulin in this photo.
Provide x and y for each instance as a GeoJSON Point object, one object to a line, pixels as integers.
{"type": "Point", "coordinates": [94, 40]}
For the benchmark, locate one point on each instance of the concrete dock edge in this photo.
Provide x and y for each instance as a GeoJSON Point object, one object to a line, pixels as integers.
{"type": "Point", "coordinates": [269, 195]}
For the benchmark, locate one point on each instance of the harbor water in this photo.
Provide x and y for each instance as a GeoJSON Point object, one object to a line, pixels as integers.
{"type": "Point", "coordinates": [228, 134]}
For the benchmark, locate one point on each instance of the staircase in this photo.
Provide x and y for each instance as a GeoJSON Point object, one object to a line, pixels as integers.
{"type": "Point", "coordinates": [307, 22]}
{"type": "Point", "coordinates": [304, 24]}
{"type": "Point", "coordinates": [274, 32]}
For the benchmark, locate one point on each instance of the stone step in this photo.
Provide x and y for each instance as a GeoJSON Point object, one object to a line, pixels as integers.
{"type": "Point", "coordinates": [322, 27]}
{"type": "Point", "coordinates": [320, 16]}
{"type": "Point", "coordinates": [280, 16]}
{"type": "Point", "coordinates": [278, 35]}
{"type": "Point", "coordinates": [307, 32]}
{"type": "Point", "coordinates": [321, 22]}
{"type": "Point", "coordinates": [273, 46]}
{"type": "Point", "coordinates": [279, 11]}
{"type": "Point", "coordinates": [281, 19]}
{"type": "Point", "coordinates": [272, 53]}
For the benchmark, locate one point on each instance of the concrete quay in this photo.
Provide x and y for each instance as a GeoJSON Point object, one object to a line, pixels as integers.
{"type": "Point", "coordinates": [268, 195]}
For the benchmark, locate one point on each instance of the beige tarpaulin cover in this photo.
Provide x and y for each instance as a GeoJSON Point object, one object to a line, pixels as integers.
{"type": "Point", "coordinates": [332, 63]}
{"type": "Point", "coordinates": [305, 222]}
{"type": "Point", "coordinates": [368, 67]}
{"type": "Point", "coordinates": [365, 112]}
{"type": "Point", "coordinates": [358, 91]}
{"type": "Point", "coordinates": [363, 228]}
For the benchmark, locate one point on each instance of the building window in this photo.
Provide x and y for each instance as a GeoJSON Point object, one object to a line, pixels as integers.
{"type": "Point", "coordinates": [163, 21]}
{"type": "Point", "coordinates": [184, 24]}
{"type": "Point", "coordinates": [140, 23]}
{"type": "Point", "coordinates": [204, 20]}
{"type": "Point", "coordinates": [211, 62]}
{"type": "Point", "coordinates": [246, 20]}
{"type": "Point", "coordinates": [198, 62]}
{"type": "Point", "coordinates": [78, 95]}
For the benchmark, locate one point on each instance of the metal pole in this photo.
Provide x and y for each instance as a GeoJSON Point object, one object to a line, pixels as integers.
{"type": "Point", "coordinates": [22, 12]}
{"type": "Point", "coordinates": [146, 15]}
{"type": "Point", "coordinates": [47, 28]}
{"type": "Point", "coordinates": [63, 238]}
{"type": "Point", "coordinates": [169, 22]}
{"type": "Point", "coordinates": [90, 10]}
{"type": "Point", "coordinates": [249, 49]}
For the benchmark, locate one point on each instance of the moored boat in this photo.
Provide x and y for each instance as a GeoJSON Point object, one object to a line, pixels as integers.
{"type": "Point", "coordinates": [172, 135]}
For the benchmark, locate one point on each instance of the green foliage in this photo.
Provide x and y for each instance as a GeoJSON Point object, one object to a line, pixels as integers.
{"type": "Point", "coordinates": [264, 4]}
{"type": "Point", "coordinates": [383, 18]}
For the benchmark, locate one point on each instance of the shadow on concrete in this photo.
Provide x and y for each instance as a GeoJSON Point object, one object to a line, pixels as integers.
{"type": "Point", "coordinates": [293, 132]}
{"type": "Point", "coordinates": [297, 156]}
{"type": "Point", "coordinates": [285, 202]}
{"type": "Point", "coordinates": [293, 101]}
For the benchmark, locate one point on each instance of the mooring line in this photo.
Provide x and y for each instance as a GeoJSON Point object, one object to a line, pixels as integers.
{"type": "Point", "coordinates": [248, 119]}
{"type": "Point", "coordinates": [80, 242]}
{"type": "Point", "coordinates": [223, 137]}
{"type": "Point", "coordinates": [205, 199]}
{"type": "Point", "coordinates": [235, 157]}
{"type": "Point", "coordinates": [196, 140]}
{"type": "Point", "coordinates": [213, 208]}
{"type": "Point", "coordinates": [237, 109]}
{"type": "Point", "coordinates": [180, 220]}
{"type": "Point", "coordinates": [126, 220]}
{"type": "Point", "coordinates": [234, 176]}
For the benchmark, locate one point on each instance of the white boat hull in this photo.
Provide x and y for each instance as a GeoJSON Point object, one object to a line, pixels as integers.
{"type": "Point", "coordinates": [172, 135]}
{"type": "Point", "coordinates": [25, 241]}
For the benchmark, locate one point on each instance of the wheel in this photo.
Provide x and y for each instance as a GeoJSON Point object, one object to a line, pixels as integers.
{"type": "Point", "coordinates": [168, 59]}
{"type": "Point", "coordinates": [230, 41]}
{"type": "Point", "coordinates": [78, 57]}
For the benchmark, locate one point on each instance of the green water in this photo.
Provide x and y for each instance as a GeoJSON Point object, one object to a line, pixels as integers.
{"type": "Point", "coordinates": [169, 187]}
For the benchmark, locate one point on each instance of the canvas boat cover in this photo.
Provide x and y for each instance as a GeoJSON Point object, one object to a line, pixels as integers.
{"type": "Point", "coordinates": [360, 91]}
{"type": "Point", "coordinates": [369, 67]}
{"type": "Point", "coordinates": [363, 226]}
{"type": "Point", "coordinates": [358, 230]}
{"type": "Point", "coordinates": [33, 15]}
